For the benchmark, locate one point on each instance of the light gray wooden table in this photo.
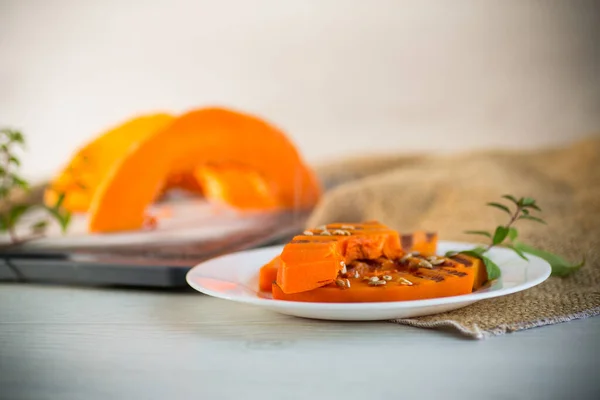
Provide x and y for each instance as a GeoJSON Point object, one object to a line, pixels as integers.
{"type": "Point", "coordinates": [77, 343]}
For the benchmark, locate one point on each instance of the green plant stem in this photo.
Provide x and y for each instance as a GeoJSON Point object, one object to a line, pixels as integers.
{"type": "Point", "coordinates": [512, 220]}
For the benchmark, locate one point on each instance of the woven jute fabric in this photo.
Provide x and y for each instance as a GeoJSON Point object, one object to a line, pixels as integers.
{"type": "Point", "coordinates": [448, 194]}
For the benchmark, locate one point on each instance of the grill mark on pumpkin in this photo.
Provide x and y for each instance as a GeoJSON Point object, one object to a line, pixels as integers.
{"type": "Point", "coordinates": [462, 260]}
{"type": "Point", "coordinates": [406, 241]}
{"type": "Point", "coordinates": [435, 278]}
{"type": "Point", "coordinates": [455, 273]}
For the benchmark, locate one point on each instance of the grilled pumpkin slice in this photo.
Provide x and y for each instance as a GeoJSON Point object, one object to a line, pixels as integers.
{"type": "Point", "coordinates": [414, 279]}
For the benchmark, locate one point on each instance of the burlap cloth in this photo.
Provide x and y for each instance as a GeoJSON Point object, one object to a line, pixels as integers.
{"type": "Point", "coordinates": [448, 194]}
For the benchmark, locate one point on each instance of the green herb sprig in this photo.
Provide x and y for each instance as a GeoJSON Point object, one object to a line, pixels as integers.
{"type": "Point", "coordinates": [10, 181]}
{"type": "Point", "coordinates": [506, 236]}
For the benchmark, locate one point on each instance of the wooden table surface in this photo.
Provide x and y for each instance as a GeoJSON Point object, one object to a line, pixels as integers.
{"type": "Point", "coordinates": [66, 343]}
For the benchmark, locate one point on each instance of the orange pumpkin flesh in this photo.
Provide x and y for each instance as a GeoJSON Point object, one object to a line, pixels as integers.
{"type": "Point", "coordinates": [338, 267]}
{"type": "Point", "coordinates": [478, 266]}
{"type": "Point", "coordinates": [314, 258]}
{"type": "Point", "coordinates": [237, 186]}
{"type": "Point", "coordinates": [405, 283]}
{"type": "Point", "coordinates": [86, 170]}
{"type": "Point", "coordinates": [425, 243]}
{"type": "Point", "coordinates": [200, 137]}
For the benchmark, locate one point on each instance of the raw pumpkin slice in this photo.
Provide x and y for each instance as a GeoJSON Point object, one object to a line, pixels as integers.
{"type": "Point", "coordinates": [205, 136]}
{"type": "Point", "coordinates": [237, 186]}
{"type": "Point", "coordinates": [93, 162]}
{"type": "Point", "coordinates": [378, 283]}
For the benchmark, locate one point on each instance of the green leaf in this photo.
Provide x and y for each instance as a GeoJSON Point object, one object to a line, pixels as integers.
{"type": "Point", "coordinates": [481, 233]}
{"type": "Point", "coordinates": [16, 136]}
{"type": "Point", "coordinates": [500, 206]}
{"type": "Point", "coordinates": [20, 182]}
{"type": "Point", "coordinates": [534, 206]}
{"type": "Point", "coordinates": [532, 218]}
{"type": "Point", "coordinates": [39, 226]}
{"type": "Point", "coordinates": [59, 200]}
{"type": "Point", "coordinates": [66, 221]}
{"type": "Point", "coordinates": [525, 211]}
{"type": "Point", "coordinates": [560, 266]}
{"type": "Point", "coordinates": [471, 253]}
{"type": "Point", "coordinates": [476, 252]}
{"type": "Point", "coordinates": [15, 213]}
{"type": "Point", "coordinates": [511, 198]}
{"type": "Point", "coordinates": [518, 251]}
{"type": "Point", "coordinates": [492, 269]}
{"type": "Point", "coordinates": [62, 217]}
{"type": "Point", "coordinates": [500, 235]}
{"type": "Point", "coordinates": [14, 160]}
{"type": "Point", "coordinates": [513, 234]}
{"type": "Point", "coordinates": [527, 201]}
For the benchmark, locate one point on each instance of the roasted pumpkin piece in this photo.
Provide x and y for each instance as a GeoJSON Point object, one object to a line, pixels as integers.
{"type": "Point", "coordinates": [383, 282]}
{"type": "Point", "coordinates": [368, 240]}
{"type": "Point", "coordinates": [313, 259]}
{"type": "Point", "coordinates": [268, 274]}
{"type": "Point", "coordinates": [419, 241]}
{"type": "Point", "coordinates": [308, 265]}
{"type": "Point", "coordinates": [478, 267]}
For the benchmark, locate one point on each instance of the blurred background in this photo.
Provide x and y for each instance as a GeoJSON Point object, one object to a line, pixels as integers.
{"type": "Point", "coordinates": [341, 77]}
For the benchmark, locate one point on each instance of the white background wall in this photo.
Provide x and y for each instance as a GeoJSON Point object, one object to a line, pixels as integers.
{"type": "Point", "coordinates": [341, 76]}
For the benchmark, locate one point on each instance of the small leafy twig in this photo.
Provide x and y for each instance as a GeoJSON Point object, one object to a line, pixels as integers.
{"type": "Point", "coordinates": [10, 180]}
{"type": "Point", "coordinates": [506, 235]}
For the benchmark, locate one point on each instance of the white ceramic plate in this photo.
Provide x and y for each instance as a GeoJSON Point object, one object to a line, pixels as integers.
{"type": "Point", "coordinates": [235, 277]}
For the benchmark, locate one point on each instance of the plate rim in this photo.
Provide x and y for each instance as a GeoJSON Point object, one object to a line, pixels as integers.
{"type": "Point", "coordinates": [384, 305]}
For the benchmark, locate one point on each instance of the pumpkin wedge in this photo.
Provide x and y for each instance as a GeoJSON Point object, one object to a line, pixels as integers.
{"type": "Point", "coordinates": [206, 136]}
{"type": "Point", "coordinates": [92, 163]}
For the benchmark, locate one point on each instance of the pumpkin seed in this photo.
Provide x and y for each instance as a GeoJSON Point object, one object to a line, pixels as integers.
{"type": "Point", "coordinates": [387, 278]}
{"type": "Point", "coordinates": [374, 279]}
{"type": "Point", "coordinates": [404, 281]}
{"type": "Point", "coordinates": [377, 283]}
{"type": "Point", "coordinates": [343, 270]}
{"type": "Point", "coordinates": [425, 264]}
{"type": "Point", "coordinates": [340, 283]}
{"type": "Point", "coordinates": [308, 233]}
